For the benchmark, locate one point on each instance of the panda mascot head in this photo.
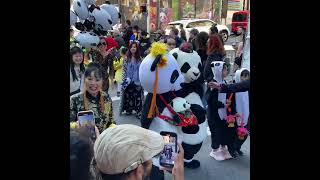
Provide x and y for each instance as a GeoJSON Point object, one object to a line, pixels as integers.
{"type": "Point", "coordinates": [189, 61]}
{"type": "Point", "coordinates": [190, 65]}
{"type": "Point", "coordinates": [159, 74]}
{"type": "Point", "coordinates": [87, 39]}
{"type": "Point", "coordinates": [114, 13]}
{"type": "Point", "coordinates": [161, 66]}
{"type": "Point", "coordinates": [80, 8]}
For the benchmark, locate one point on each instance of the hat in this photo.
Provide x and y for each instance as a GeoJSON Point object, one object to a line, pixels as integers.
{"type": "Point", "coordinates": [144, 33]}
{"type": "Point", "coordinates": [123, 148]}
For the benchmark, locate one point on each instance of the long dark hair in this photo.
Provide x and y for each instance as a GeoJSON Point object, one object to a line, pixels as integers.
{"type": "Point", "coordinates": [136, 55]}
{"type": "Point", "coordinates": [74, 50]}
{"type": "Point", "coordinates": [215, 45]}
{"type": "Point", "coordinates": [201, 40]}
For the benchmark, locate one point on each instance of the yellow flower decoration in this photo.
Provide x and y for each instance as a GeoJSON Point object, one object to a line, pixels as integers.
{"type": "Point", "coordinates": [158, 49]}
{"type": "Point", "coordinates": [73, 125]}
{"type": "Point", "coordinates": [163, 62]}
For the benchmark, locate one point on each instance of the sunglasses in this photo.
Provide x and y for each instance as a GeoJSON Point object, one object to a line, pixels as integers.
{"type": "Point", "coordinates": [102, 43]}
{"type": "Point", "coordinates": [171, 44]}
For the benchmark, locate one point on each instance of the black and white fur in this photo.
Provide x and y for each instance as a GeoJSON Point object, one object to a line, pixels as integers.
{"type": "Point", "coordinates": [193, 136]}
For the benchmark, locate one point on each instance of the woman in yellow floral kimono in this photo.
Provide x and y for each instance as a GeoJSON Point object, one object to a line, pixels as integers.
{"type": "Point", "coordinates": [117, 65]}
{"type": "Point", "coordinates": [93, 98]}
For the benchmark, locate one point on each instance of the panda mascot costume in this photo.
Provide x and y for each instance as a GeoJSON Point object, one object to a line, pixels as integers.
{"type": "Point", "coordinates": [163, 110]}
{"type": "Point", "coordinates": [190, 64]}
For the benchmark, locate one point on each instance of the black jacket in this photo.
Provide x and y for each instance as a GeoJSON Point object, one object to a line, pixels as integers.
{"type": "Point", "coordinates": [238, 87]}
{"type": "Point", "coordinates": [203, 55]}
{"type": "Point", "coordinates": [207, 74]}
{"type": "Point", "coordinates": [214, 104]}
{"type": "Point", "coordinates": [127, 34]}
{"type": "Point", "coordinates": [144, 45]}
{"type": "Point", "coordinates": [120, 41]}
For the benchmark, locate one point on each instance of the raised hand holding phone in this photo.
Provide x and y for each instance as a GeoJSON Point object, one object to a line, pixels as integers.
{"type": "Point", "coordinates": [170, 150]}
{"type": "Point", "coordinates": [178, 168]}
{"type": "Point", "coordinates": [86, 119]}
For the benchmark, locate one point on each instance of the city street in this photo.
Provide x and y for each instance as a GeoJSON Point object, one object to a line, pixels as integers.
{"type": "Point", "coordinates": [235, 169]}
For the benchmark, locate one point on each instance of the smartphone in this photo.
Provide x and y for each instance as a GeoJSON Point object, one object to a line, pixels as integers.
{"type": "Point", "coordinates": [86, 118]}
{"type": "Point", "coordinates": [169, 151]}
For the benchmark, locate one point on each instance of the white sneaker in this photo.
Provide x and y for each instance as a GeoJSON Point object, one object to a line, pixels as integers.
{"type": "Point", "coordinates": [225, 152]}
{"type": "Point", "coordinates": [227, 155]}
{"type": "Point", "coordinates": [217, 155]}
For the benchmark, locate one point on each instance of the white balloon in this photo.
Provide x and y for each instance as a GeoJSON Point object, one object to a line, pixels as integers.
{"type": "Point", "coordinates": [87, 39]}
{"type": "Point", "coordinates": [73, 18]}
{"type": "Point", "coordinates": [102, 19]}
{"type": "Point", "coordinates": [80, 8]}
{"type": "Point", "coordinates": [112, 10]}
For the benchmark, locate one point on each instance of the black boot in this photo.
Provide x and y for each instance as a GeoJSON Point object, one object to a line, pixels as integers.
{"type": "Point", "coordinates": [194, 164]}
{"type": "Point", "coordinates": [233, 154]}
{"type": "Point", "coordinates": [240, 152]}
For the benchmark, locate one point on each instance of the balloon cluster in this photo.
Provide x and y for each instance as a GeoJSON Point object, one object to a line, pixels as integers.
{"type": "Point", "coordinates": [92, 20]}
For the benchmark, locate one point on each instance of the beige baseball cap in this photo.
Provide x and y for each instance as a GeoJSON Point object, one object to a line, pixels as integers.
{"type": "Point", "coordinates": [123, 148]}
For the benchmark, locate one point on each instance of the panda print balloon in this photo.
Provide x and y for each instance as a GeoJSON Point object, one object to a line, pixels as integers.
{"type": "Point", "coordinates": [73, 18]}
{"type": "Point", "coordinates": [112, 10]}
{"type": "Point", "coordinates": [81, 9]}
{"type": "Point", "coordinates": [87, 39]}
{"type": "Point", "coordinates": [102, 18]}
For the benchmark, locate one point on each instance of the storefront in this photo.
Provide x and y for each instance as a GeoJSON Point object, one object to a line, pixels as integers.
{"type": "Point", "coordinates": [161, 12]}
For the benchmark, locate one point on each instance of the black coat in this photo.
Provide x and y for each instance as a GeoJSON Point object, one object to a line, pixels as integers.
{"type": "Point", "coordinates": [207, 74]}
{"type": "Point", "coordinates": [144, 45]}
{"type": "Point", "coordinates": [203, 55]}
{"type": "Point", "coordinates": [238, 87]}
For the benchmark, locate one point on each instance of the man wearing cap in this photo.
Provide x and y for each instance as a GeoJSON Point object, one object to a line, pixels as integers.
{"type": "Point", "coordinates": [192, 39]}
{"type": "Point", "coordinates": [125, 152]}
{"type": "Point", "coordinates": [118, 38]}
{"type": "Point", "coordinates": [145, 44]}
{"type": "Point", "coordinates": [160, 34]}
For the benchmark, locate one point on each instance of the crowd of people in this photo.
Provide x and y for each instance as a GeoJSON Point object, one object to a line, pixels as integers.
{"type": "Point", "coordinates": [126, 151]}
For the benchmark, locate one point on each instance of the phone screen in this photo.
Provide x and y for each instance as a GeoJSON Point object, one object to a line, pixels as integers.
{"type": "Point", "coordinates": [86, 118]}
{"type": "Point", "coordinates": [169, 151]}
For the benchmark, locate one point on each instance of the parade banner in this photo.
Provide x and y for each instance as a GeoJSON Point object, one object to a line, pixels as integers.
{"type": "Point", "coordinates": [153, 16]}
{"type": "Point", "coordinates": [165, 15]}
{"type": "Point", "coordinates": [235, 5]}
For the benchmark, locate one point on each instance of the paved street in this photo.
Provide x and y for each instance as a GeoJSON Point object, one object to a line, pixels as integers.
{"type": "Point", "coordinates": [238, 169]}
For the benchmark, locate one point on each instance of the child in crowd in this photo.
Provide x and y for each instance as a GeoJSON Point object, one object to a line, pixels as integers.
{"type": "Point", "coordinates": [219, 106]}
{"type": "Point", "coordinates": [242, 108]}
{"type": "Point", "coordinates": [117, 64]}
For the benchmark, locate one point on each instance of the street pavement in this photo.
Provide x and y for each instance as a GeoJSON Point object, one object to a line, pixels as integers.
{"type": "Point", "coordinates": [210, 169]}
